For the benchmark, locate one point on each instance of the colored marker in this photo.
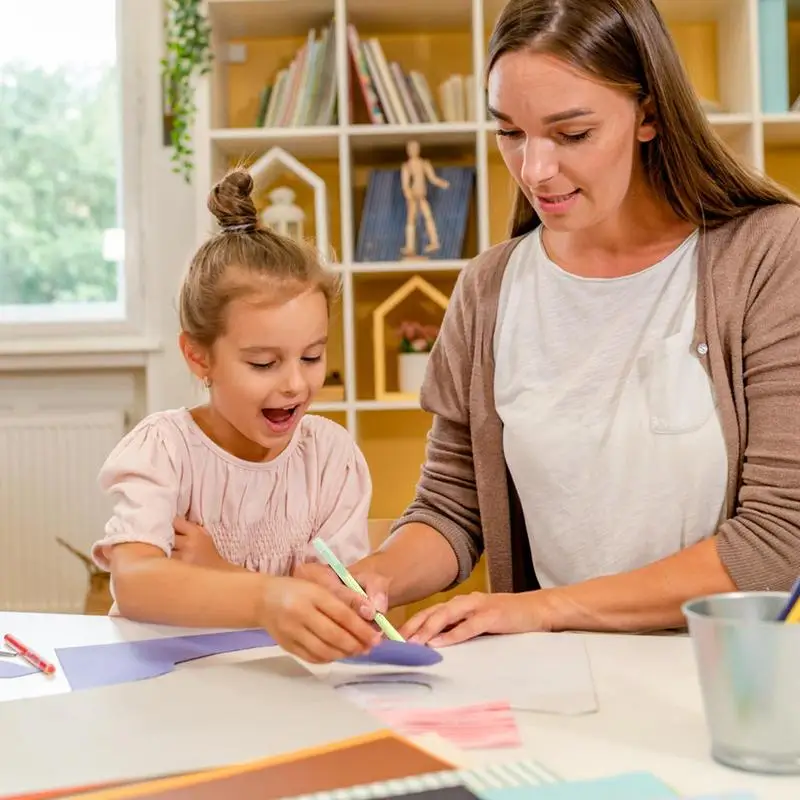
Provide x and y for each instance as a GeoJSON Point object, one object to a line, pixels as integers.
{"type": "Point", "coordinates": [29, 655]}
{"type": "Point", "coordinates": [791, 611]}
{"type": "Point", "coordinates": [348, 580]}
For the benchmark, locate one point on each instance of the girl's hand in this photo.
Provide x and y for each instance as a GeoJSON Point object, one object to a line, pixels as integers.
{"type": "Point", "coordinates": [467, 616]}
{"type": "Point", "coordinates": [194, 545]}
{"type": "Point", "coordinates": [376, 586]}
{"type": "Point", "coordinates": [312, 623]}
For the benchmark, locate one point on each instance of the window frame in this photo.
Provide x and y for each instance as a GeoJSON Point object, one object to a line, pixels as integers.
{"type": "Point", "coordinates": [71, 325]}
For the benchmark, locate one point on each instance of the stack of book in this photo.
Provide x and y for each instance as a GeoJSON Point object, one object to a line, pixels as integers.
{"type": "Point", "coordinates": [303, 92]}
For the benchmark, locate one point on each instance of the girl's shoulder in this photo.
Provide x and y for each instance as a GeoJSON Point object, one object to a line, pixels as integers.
{"type": "Point", "coordinates": [156, 443]}
{"type": "Point", "coordinates": [324, 436]}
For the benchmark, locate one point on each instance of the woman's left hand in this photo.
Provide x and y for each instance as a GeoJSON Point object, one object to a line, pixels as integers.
{"type": "Point", "coordinates": [466, 616]}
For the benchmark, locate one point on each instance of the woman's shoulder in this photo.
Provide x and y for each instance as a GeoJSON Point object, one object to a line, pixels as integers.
{"type": "Point", "coordinates": [765, 227]}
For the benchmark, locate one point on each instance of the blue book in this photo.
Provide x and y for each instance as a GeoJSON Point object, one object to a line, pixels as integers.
{"type": "Point", "coordinates": [381, 234]}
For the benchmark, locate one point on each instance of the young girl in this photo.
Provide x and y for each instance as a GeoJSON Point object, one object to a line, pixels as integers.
{"type": "Point", "coordinates": [260, 476]}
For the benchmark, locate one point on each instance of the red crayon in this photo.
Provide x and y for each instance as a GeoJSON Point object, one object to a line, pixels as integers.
{"type": "Point", "coordinates": [32, 658]}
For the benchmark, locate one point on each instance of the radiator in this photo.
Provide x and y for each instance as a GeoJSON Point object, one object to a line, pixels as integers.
{"type": "Point", "coordinates": [48, 488]}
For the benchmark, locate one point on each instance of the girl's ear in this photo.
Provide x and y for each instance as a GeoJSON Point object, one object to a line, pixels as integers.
{"type": "Point", "coordinates": [195, 355]}
{"type": "Point", "coordinates": [648, 129]}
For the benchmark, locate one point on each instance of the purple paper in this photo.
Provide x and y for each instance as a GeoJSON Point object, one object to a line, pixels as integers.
{"type": "Point", "coordinates": [90, 666]}
{"type": "Point", "coordinates": [403, 654]}
{"type": "Point", "coordinates": [15, 668]}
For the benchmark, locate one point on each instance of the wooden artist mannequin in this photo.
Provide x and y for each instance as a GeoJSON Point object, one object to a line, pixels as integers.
{"type": "Point", "coordinates": [414, 176]}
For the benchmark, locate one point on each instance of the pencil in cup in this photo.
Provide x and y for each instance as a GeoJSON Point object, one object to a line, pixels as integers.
{"type": "Point", "coordinates": [329, 557]}
{"type": "Point", "coordinates": [29, 655]}
{"type": "Point", "coordinates": [791, 611]}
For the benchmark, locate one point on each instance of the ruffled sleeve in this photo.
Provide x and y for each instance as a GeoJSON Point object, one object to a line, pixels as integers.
{"type": "Point", "coordinates": [142, 478]}
{"type": "Point", "coordinates": [344, 499]}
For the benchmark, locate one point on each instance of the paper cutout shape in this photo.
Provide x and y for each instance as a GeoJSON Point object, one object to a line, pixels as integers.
{"type": "Point", "coordinates": [90, 666]}
{"type": "Point", "coordinates": [399, 654]}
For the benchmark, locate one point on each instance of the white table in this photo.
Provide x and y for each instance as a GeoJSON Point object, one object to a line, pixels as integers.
{"type": "Point", "coordinates": [650, 715]}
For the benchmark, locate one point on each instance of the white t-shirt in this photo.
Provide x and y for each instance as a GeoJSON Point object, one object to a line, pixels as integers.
{"type": "Point", "coordinates": [611, 432]}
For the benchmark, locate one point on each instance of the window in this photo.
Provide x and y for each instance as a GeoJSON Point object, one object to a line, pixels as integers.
{"type": "Point", "coordinates": [62, 235]}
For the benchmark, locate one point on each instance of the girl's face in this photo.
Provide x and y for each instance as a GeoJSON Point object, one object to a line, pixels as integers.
{"type": "Point", "coordinates": [265, 371]}
{"type": "Point", "coordinates": [570, 142]}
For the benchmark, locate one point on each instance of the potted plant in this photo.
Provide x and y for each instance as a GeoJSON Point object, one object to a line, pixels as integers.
{"type": "Point", "coordinates": [416, 342]}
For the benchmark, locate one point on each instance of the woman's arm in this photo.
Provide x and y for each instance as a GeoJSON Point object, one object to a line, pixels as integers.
{"type": "Point", "coordinates": [644, 599]}
{"type": "Point", "coordinates": [415, 563]}
{"type": "Point", "coordinates": [648, 598]}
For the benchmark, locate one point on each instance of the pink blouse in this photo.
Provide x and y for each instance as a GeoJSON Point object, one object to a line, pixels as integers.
{"type": "Point", "coordinates": [262, 516]}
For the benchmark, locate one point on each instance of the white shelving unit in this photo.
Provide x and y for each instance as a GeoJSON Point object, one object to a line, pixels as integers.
{"type": "Point", "coordinates": [728, 27]}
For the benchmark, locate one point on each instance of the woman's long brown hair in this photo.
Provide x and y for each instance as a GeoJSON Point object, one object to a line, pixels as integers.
{"type": "Point", "coordinates": [625, 44]}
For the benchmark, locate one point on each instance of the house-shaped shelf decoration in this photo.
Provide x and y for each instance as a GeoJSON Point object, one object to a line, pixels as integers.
{"type": "Point", "coordinates": [413, 284]}
{"type": "Point", "coordinates": [276, 162]}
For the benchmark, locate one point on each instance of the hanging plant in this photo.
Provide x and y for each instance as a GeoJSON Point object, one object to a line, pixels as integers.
{"type": "Point", "coordinates": [188, 56]}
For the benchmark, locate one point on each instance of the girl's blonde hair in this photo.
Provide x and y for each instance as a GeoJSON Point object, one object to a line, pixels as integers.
{"type": "Point", "coordinates": [244, 258]}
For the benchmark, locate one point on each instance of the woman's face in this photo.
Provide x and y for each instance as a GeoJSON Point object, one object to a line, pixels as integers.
{"type": "Point", "coordinates": [570, 142]}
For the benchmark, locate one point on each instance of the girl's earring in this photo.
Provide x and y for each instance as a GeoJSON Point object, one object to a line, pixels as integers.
{"type": "Point", "coordinates": [207, 382]}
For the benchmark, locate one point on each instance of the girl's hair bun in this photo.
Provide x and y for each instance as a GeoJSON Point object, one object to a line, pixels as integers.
{"type": "Point", "coordinates": [231, 203]}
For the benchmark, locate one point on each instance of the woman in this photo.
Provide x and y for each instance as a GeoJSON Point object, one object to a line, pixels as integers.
{"type": "Point", "coordinates": [615, 390]}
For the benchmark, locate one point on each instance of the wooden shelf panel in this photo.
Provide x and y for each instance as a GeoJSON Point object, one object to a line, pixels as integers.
{"type": "Point", "coordinates": [305, 142]}
{"type": "Point", "coordinates": [782, 130]}
{"type": "Point", "coordinates": [236, 19]}
{"type": "Point", "coordinates": [410, 16]}
{"type": "Point", "coordinates": [393, 443]}
{"type": "Point", "coordinates": [364, 139]}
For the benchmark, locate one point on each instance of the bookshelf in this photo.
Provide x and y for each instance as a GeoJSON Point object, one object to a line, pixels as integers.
{"type": "Point", "coordinates": [719, 41]}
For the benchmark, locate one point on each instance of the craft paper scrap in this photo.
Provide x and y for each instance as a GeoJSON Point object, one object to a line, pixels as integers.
{"type": "Point", "coordinates": [15, 669]}
{"type": "Point", "coordinates": [483, 726]}
{"type": "Point", "coordinates": [627, 786]}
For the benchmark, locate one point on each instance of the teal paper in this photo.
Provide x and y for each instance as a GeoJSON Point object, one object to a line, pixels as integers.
{"type": "Point", "coordinates": [629, 786]}
{"type": "Point", "coordinates": [729, 796]}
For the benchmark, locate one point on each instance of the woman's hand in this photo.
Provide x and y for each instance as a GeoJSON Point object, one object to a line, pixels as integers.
{"type": "Point", "coordinates": [375, 585]}
{"type": "Point", "coordinates": [467, 616]}
{"type": "Point", "coordinates": [312, 623]}
{"type": "Point", "coordinates": [194, 545]}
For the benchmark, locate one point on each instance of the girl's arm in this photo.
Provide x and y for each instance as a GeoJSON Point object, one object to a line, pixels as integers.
{"type": "Point", "coordinates": [149, 587]}
{"type": "Point", "coordinates": [301, 617]}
